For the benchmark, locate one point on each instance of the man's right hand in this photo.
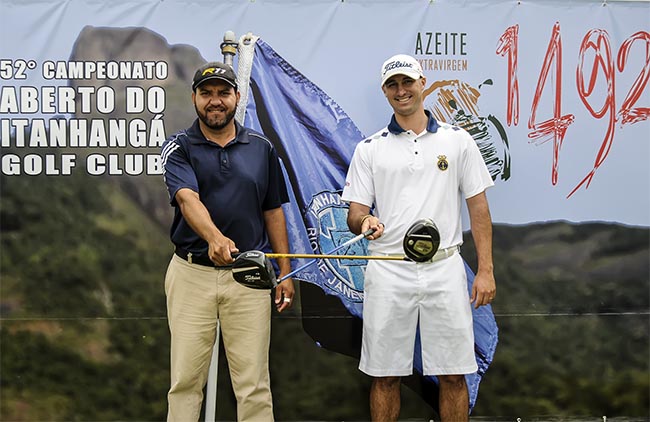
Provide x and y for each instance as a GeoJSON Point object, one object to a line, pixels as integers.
{"type": "Point", "coordinates": [372, 222]}
{"type": "Point", "coordinates": [221, 249]}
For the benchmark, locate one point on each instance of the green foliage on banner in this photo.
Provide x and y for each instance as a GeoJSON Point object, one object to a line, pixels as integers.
{"type": "Point", "coordinates": [84, 332]}
{"type": "Point", "coordinates": [572, 308]}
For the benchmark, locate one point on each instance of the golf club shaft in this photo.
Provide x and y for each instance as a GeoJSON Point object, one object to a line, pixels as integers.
{"type": "Point", "coordinates": [327, 256]}
{"type": "Point", "coordinates": [302, 267]}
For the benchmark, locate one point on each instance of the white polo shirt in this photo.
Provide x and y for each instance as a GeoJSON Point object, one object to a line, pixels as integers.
{"type": "Point", "coordinates": [409, 176]}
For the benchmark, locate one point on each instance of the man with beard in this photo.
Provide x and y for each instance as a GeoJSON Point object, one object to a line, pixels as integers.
{"type": "Point", "coordinates": [227, 189]}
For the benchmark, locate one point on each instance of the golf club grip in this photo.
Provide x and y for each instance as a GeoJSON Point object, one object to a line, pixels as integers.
{"type": "Point", "coordinates": [302, 267]}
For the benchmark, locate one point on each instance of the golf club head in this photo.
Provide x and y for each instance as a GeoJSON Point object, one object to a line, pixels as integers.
{"type": "Point", "coordinates": [253, 269]}
{"type": "Point", "coordinates": [421, 240]}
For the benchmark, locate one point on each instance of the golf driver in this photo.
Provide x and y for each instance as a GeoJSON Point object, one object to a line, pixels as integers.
{"type": "Point", "coordinates": [422, 240]}
{"type": "Point", "coordinates": [253, 269]}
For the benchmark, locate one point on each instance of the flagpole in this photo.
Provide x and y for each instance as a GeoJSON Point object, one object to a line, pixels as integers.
{"type": "Point", "coordinates": [211, 393]}
{"type": "Point", "coordinates": [229, 47]}
{"type": "Point", "coordinates": [228, 50]}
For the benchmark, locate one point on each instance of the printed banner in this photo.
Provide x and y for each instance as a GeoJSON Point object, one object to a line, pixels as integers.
{"type": "Point", "coordinates": [554, 92]}
{"type": "Point", "coordinates": [559, 102]}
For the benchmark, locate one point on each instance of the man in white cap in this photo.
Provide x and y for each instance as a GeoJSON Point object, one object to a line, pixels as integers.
{"type": "Point", "coordinates": [419, 168]}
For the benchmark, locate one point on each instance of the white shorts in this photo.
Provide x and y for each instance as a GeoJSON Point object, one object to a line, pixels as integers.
{"type": "Point", "coordinates": [397, 294]}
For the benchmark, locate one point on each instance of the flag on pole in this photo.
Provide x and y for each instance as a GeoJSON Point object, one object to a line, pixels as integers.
{"type": "Point", "coordinates": [315, 139]}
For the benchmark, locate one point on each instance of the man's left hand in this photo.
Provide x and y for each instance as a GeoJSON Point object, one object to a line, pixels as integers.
{"type": "Point", "coordinates": [284, 294]}
{"type": "Point", "coordinates": [484, 289]}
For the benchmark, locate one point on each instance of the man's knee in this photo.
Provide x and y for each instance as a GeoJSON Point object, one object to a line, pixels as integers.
{"type": "Point", "coordinates": [386, 383]}
{"type": "Point", "coordinates": [452, 381]}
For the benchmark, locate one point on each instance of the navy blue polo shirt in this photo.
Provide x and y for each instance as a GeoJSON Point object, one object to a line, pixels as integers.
{"type": "Point", "coordinates": [236, 183]}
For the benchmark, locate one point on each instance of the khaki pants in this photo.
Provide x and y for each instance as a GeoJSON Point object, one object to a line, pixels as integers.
{"type": "Point", "coordinates": [196, 297]}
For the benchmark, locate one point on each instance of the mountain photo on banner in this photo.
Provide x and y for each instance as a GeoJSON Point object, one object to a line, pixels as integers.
{"type": "Point", "coordinates": [315, 139]}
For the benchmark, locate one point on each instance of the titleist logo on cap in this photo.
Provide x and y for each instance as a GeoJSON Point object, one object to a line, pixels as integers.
{"type": "Point", "coordinates": [396, 64]}
{"type": "Point", "coordinates": [401, 64]}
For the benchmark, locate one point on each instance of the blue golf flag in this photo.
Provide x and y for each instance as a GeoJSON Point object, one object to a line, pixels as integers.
{"type": "Point", "coordinates": [315, 139]}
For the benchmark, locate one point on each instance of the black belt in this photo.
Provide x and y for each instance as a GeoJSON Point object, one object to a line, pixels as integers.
{"type": "Point", "coordinates": [198, 259]}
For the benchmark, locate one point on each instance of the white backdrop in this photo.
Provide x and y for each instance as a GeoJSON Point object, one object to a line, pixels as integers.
{"type": "Point", "coordinates": [340, 46]}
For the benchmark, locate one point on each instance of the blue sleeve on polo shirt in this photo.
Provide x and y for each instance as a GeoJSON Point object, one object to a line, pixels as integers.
{"type": "Point", "coordinates": [277, 193]}
{"type": "Point", "coordinates": [177, 169]}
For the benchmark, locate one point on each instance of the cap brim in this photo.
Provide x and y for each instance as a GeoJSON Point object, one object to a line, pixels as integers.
{"type": "Point", "coordinates": [411, 74]}
{"type": "Point", "coordinates": [228, 81]}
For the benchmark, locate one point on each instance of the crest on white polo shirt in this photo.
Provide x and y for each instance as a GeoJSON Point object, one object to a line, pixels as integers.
{"type": "Point", "coordinates": [327, 229]}
{"type": "Point", "coordinates": [443, 164]}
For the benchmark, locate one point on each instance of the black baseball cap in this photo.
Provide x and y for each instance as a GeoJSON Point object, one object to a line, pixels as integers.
{"type": "Point", "coordinates": [214, 70]}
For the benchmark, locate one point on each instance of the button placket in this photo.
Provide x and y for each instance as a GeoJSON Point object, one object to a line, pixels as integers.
{"type": "Point", "coordinates": [224, 162]}
{"type": "Point", "coordinates": [417, 152]}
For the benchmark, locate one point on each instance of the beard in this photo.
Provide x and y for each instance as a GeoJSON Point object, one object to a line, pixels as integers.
{"type": "Point", "coordinates": [215, 123]}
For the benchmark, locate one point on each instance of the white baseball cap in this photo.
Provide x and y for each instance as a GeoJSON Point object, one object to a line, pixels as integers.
{"type": "Point", "coordinates": [401, 64]}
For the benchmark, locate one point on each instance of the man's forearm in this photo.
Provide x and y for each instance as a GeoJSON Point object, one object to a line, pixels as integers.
{"type": "Point", "coordinates": [356, 213]}
{"type": "Point", "coordinates": [197, 215]}
{"type": "Point", "coordinates": [481, 226]}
